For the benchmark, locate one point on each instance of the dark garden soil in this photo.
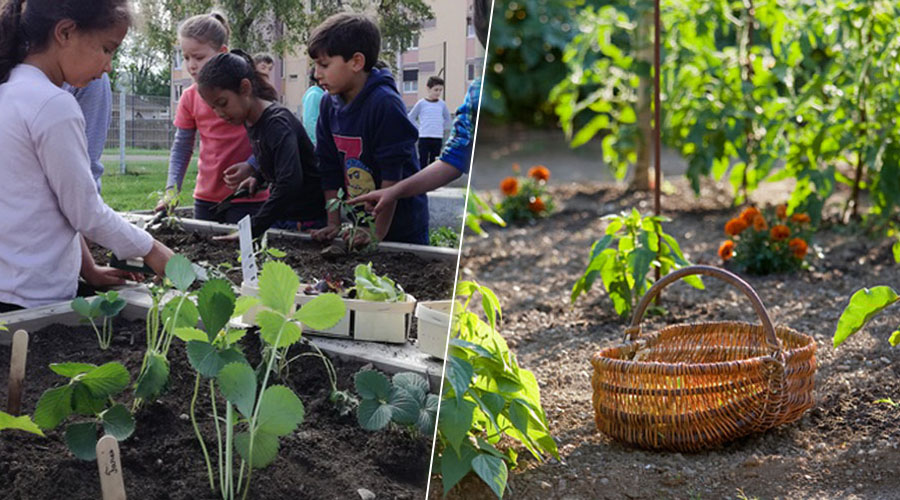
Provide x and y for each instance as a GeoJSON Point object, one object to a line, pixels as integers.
{"type": "Point", "coordinates": [846, 446]}
{"type": "Point", "coordinates": [328, 457]}
{"type": "Point", "coordinates": [425, 279]}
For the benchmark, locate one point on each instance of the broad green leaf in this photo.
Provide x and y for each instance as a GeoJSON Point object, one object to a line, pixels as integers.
{"type": "Point", "coordinates": [204, 358]}
{"type": "Point", "coordinates": [153, 381]}
{"type": "Point", "coordinates": [180, 271]}
{"type": "Point", "coordinates": [107, 380]}
{"type": "Point", "coordinates": [373, 415]}
{"type": "Point", "coordinates": [491, 470]}
{"type": "Point", "coordinates": [188, 315]}
{"type": "Point", "coordinates": [414, 383]}
{"type": "Point", "coordinates": [265, 448]}
{"type": "Point", "coordinates": [215, 303]}
{"type": "Point", "coordinates": [81, 439]}
{"type": "Point", "coordinates": [455, 420]}
{"type": "Point", "coordinates": [428, 415]}
{"type": "Point", "coordinates": [243, 305]}
{"type": "Point", "coordinates": [81, 306]}
{"type": "Point", "coordinates": [864, 304]}
{"type": "Point", "coordinates": [491, 305]}
{"type": "Point", "coordinates": [111, 308]}
{"type": "Point", "coordinates": [280, 411]}
{"type": "Point", "coordinates": [118, 422]}
{"type": "Point", "coordinates": [233, 336]}
{"type": "Point", "coordinates": [278, 285]}
{"type": "Point", "coordinates": [70, 370]}
{"type": "Point", "coordinates": [21, 423]}
{"type": "Point", "coordinates": [404, 406]}
{"type": "Point", "coordinates": [273, 327]}
{"type": "Point", "coordinates": [896, 250]}
{"type": "Point", "coordinates": [322, 312]}
{"type": "Point", "coordinates": [519, 415]}
{"type": "Point", "coordinates": [459, 373]}
{"type": "Point", "coordinates": [189, 333]}
{"type": "Point", "coordinates": [371, 384]}
{"type": "Point", "coordinates": [455, 466]}
{"type": "Point", "coordinates": [237, 381]}
{"type": "Point", "coordinates": [85, 403]}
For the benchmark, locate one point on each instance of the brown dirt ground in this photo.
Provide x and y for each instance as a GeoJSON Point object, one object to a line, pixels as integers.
{"type": "Point", "coordinates": [845, 447]}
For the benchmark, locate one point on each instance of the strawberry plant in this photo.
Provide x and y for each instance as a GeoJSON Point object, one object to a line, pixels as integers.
{"type": "Point", "coordinates": [403, 400]}
{"type": "Point", "coordinates": [88, 393]}
{"type": "Point", "coordinates": [105, 306]}
{"type": "Point", "coordinates": [487, 398]}
{"type": "Point", "coordinates": [633, 245]}
{"type": "Point", "coordinates": [21, 423]}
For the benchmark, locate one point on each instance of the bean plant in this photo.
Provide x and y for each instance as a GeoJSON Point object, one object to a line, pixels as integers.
{"type": "Point", "coordinates": [402, 400]}
{"type": "Point", "coordinates": [623, 258]}
{"type": "Point", "coordinates": [864, 305]}
{"type": "Point", "coordinates": [359, 220]}
{"type": "Point", "coordinates": [89, 394]}
{"type": "Point", "coordinates": [105, 306]}
{"type": "Point", "coordinates": [487, 398]}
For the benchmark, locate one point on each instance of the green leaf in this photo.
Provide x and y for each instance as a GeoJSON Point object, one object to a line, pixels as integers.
{"type": "Point", "coordinates": [237, 381]}
{"type": "Point", "coordinates": [404, 406]}
{"type": "Point", "coordinates": [265, 448]}
{"type": "Point", "coordinates": [188, 315]}
{"type": "Point", "coordinates": [204, 358]}
{"type": "Point", "coordinates": [413, 383]}
{"type": "Point", "coordinates": [81, 439]}
{"type": "Point", "coordinates": [280, 411]}
{"type": "Point", "coordinates": [864, 304]}
{"type": "Point", "coordinates": [85, 403]}
{"type": "Point", "coordinates": [455, 420]}
{"type": "Point", "coordinates": [459, 373]}
{"type": "Point", "coordinates": [428, 415]}
{"type": "Point", "coordinates": [215, 303]}
{"type": "Point", "coordinates": [519, 415]}
{"type": "Point", "coordinates": [233, 336]}
{"type": "Point", "coordinates": [455, 466]}
{"type": "Point", "coordinates": [373, 415]}
{"type": "Point", "coordinates": [180, 271]}
{"type": "Point", "coordinates": [278, 285]}
{"type": "Point", "coordinates": [275, 327]}
{"type": "Point", "coordinates": [153, 381]}
{"type": "Point", "coordinates": [322, 312]}
{"type": "Point", "coordinates": [21, 423]}
{"type": "Point", "coordinates": [81, 306]}
{"type": "Point", "coordinates": [895, 338]}
{"type": "Point", "coordinates": [107, 380]}
{"type": "Point", "coordinates": [189, 333]}
{"type": "Point", "coordinates": [371, 384]}
{"type": "Point", "coordinates": [243, 305]}
{"type": "Point", "coordinates": [70, 370]}
{"type": "Point", "coordinates": [492, 471]}
{"type": "Point", "coordinates": [111, 308]}
{"type": "Point", "coordinates": [118, 422]}
{"type": "Point", "coordinates": [896, 250]}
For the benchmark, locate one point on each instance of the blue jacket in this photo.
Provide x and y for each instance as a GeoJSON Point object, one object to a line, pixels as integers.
{"type": "Point", "coordinates": [368, 141]}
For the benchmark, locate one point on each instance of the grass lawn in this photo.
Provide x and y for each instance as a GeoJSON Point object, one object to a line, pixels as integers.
{"type": "Point", "coordinates": [137, 152]}
{"type": "Point", "coordinates": [137, 189]}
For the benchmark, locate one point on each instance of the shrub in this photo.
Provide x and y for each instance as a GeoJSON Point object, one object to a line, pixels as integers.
{"type": "Point", "coordinates": [767, 242]}
{"type": "Point", "coordinates": [526, 198]}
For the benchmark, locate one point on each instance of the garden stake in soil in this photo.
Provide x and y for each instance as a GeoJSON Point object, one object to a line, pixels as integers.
{"type": "Point", "coordinates": [17, 372]}
{"type": "Point", "coordinates": [109, 464]}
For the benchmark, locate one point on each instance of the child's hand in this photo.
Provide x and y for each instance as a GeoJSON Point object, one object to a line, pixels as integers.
{"type": "Point", "coordinates": [361, 239]}
{"type": "Point", "coordinates": [375, 201]}
{"type": "Point", "coordinates": [235, 174]}
{"type": "Point", "coordinates": [228, 237]}
{"type": "Point", "coordinates": [250, 183]}
{"type": "Point", "coordinates": [327, 233]}
{"type": "Point", "coordinates": [103, 276]}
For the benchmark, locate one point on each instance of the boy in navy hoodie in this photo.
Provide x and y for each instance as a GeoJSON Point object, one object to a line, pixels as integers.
{"type": "Point", "coordinates": [364, 139]}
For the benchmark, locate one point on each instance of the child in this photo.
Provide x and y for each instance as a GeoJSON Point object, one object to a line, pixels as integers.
{"type": "Point", "coordinates": [457, 154]}
{"type": "Point", "coordinates": [312, 100]}
{"type": "Point", "coordinates": [95, 101]}
{"type": "Point", "coordinates": [364, 139]}
{"type": "Point", "coordinates": [45, 166]}
{"type": "Point", "coordinates": [433, 117]}
{"type": "Point", "coordinates": [264, 64]}
{"type": "Point", "coordinates": [287, 162]}
{"type": "Point", "coordinates": [222, 144]}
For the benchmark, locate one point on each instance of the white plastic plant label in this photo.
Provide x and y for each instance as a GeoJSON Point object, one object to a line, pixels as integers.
{"type": "Point", "coordinates": [248, 261]}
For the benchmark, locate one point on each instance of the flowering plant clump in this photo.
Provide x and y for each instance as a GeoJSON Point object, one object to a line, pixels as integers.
{"type": "Point", "coordinates": [526, 198]}
{"type": "Point", "coordinates": [766, 242]}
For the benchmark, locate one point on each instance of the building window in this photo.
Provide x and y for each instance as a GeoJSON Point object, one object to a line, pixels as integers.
{"type": "Point", "coordinates": [470, 27]}
{"type": "Point", "coordinates": [179, 89]}
{"type": "Point", "coordinates": [429, 23]}
{"type": "Point", "coordinates": [179, 56]}
{"type": "Point", "coordinates": [410, 81]}
{"type": "Point", "coordinates": [414, 43]}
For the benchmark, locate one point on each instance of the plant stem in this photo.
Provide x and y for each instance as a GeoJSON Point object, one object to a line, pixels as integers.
{"type": "Point", "coordinates": [229, 450]}
{"type": "Point", "coordinates": [212, 397]}
{"type": "Point", "coordinates": [212, 484]}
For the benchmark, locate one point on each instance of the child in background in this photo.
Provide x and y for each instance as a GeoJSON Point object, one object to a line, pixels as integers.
{"type": "Point", "coordinates": [312, 101]}
{"type": "Point", "coordinates": [45, 163]}
{"type": "Point", "coordinates": [264, 64]}
{"type": "Point", "coordinates": [287, 161]}
{"type": "Point", "coordinates": [95, 101]}
{"type": "Point", "coordinates": [364, 139]}
{"type": "Point", "coordinates": [432, 117]}
{"type": "Point", "coordinates": [454, 160]}
{"type": "Point", "coordinates": [222, 144]}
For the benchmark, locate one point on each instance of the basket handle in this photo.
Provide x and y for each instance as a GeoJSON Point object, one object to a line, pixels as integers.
{"type": "Point", "coordinates": [634, 330]}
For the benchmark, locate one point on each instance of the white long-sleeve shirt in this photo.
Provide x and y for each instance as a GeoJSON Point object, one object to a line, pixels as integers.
{"type": "Point", "coordinates": [49, 195]}
{"type": "Point", "coordinates": [432, 117]}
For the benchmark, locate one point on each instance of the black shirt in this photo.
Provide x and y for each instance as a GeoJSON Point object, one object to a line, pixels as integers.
{"type": "Point", "coordinates": [287, 163]}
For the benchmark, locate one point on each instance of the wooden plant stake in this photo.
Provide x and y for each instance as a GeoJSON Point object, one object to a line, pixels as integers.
{"type": "Point", "coordinates": [17, 372]}
{"type": "Point", "coordinates": [110, 465]}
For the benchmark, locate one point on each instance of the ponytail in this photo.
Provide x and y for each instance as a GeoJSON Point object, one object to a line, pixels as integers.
{"type": "Point", "coordinates": [211, 29]}
{"type": "Point", "coordinates": [226, 71]}
{"type": "Point", "coordinates": [12, 45]}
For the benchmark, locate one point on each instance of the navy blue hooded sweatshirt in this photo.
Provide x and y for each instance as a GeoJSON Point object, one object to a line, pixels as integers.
{"type": "Point", "coordinates": [368, 141]}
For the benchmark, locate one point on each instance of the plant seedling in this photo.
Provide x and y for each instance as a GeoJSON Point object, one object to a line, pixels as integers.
{"type": "Point", "coordinates": [88, 393]}
{"type": "Point", "coordinates": [404, 400]}
{"type": "Point", "coordinates": [105, 306]}
{"type": "Point", "coordinates": [370, 286]}
{"type": "Point", "coordinates": [359, 221]}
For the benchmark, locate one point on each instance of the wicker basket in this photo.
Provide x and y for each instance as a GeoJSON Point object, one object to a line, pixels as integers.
{"type": "Point", "coordinates": [689, 387]}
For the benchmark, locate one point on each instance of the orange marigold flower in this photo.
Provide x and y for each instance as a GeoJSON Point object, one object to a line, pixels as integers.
{"type": "Point", "coordinates": [749, 214]}
{"type": "Point", "coordinates": [516, 168]}
{"type": "Point", "coordinates": [735, 226]}
{"type": "Point", "coordinates": [539, 172]}
{"type": "Point", "coordinates": [800, 218]}
{"type": "Point", "coordinates": [726, 249]}
{"type": "Point", "coordinates": [781, 211]}
{"type": "Point", "coordinates": [780, 232]}
{"type": "Point", "coordinates": [759, 223]}
{"type": "Point", "coordinates": [536, 205]}
{"type": "Point", "coordinates": [509, 186]}
{"type": "Point", "coordinates": [798, 247]}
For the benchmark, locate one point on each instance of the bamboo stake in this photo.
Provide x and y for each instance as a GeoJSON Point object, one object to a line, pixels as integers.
{"type": "Point", "coordinates": [17, 372]}
{"type": "Point", "coordinates": [109, 464]}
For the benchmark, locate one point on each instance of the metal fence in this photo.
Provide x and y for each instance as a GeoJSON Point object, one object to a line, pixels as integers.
{"type": "Point", "coordinates": [146, 120]}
